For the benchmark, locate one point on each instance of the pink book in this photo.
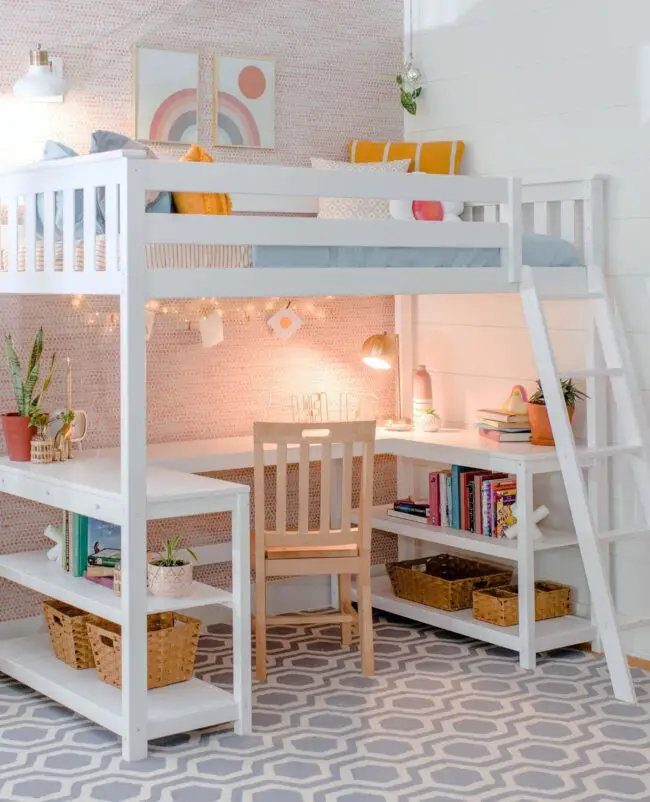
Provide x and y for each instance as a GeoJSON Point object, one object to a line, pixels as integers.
{"type": "Point", "coordinates": [434, 499]}
{"type": "Point", "coordinates": [106, 581]}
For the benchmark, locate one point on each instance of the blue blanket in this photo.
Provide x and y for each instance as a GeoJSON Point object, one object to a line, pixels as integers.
{"type": "Point", "coordinates": [538, 251]}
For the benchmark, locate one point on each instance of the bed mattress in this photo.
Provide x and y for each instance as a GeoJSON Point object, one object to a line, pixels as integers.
{"type": "Point", "coordinates": [539, 250]}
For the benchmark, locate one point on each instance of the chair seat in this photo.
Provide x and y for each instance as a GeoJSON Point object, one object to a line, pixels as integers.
{"type": "Point", "coordinates": [310, 552]}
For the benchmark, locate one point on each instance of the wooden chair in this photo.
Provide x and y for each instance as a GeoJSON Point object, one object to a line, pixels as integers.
{"type": "Point", "coordinates": [343, 551]}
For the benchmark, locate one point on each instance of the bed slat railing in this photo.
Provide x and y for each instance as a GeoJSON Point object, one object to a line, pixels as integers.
{"type": "Point", "coordinates": [90, 227]}
{"type": "Point", "coordinates": [111, 228]}
{"type": "Point", "coordinates": [30, 232]}
{"type": "Point", "coordinates": [48, 231]}
{"type": "Point", "coordinates": [69, 230]}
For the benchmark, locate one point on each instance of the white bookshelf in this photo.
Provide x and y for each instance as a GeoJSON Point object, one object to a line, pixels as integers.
{"type": "Point", "coordinates": [554, 633]}
{"type": "Point", "coordinates": [501, 548]}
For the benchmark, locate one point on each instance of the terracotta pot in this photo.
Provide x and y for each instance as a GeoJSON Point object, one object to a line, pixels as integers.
{"type": "Point", "coordinates": [169, 581]}
{"type": "Point", "coordinates": [542, 434]}
{"type": "Point", "coordinates": [18, 436]}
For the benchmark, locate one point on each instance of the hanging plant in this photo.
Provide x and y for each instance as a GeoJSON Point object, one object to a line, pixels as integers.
{"type": "Point", "coordinates": [410, 80]}
{"type": "Point", "coordinates": [408, 96]}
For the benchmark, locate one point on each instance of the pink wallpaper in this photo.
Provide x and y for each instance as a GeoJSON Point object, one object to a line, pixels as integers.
{"type": "Point", "coordinates": [335, 63]}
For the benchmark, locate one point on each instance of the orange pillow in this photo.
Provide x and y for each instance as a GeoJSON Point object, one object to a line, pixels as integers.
{"type": "Point", "coordinates": [442, 158]}
{"type": "Point", "coordinates": [201, 202]}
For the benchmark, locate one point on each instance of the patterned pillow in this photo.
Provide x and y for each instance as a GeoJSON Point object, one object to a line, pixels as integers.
{"type": "Point", "coordinates": [357, 208]}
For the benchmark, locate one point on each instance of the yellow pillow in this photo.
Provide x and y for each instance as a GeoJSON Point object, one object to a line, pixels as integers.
{"type": "Point", "coordinates": [442, 158]}
{"type": "Point", "coordinates": [201, 202]}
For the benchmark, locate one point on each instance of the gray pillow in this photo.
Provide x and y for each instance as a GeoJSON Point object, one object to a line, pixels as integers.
{"type": "Point", "coordinates": [57, 150]}
{"type": "Point", "coordinates": [104, 141]}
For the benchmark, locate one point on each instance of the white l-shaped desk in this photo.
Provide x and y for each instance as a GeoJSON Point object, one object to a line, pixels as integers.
{"type": "Point", "coordinates": [452, 446]}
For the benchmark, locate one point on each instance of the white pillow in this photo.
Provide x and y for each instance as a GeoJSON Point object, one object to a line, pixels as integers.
{"type": "Point", "coordinates": [357, 208]}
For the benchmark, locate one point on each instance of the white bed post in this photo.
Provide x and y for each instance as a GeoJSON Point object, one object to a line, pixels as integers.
{"type": "Point", "coordinates": [526, 569]}
{"type": "Point", "coordinates": [512, 214]}
{"type": "Point", "coordinates": [599, 476]}
{"type": "Point", "coordinates": [133, 393]}
{"type": "Point", "coordinates": [404, 327]}
{"type": "Point", "coordinates": [241, 617]}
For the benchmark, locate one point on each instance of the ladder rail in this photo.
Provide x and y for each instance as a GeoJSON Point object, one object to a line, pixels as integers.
{"type": "Point", "coordinates": [601, 598]}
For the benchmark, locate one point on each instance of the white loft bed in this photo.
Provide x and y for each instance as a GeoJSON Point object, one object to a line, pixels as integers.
{"type": "Point", "coordinates": [499, 210]}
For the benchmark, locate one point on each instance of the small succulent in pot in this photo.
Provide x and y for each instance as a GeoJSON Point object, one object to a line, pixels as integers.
{"type": "Point", "coordinates": [170, 574]}
{"type": "Point", "coordinates": [541, 431]}
{"type": "Point", "coordinates": [432, 422]}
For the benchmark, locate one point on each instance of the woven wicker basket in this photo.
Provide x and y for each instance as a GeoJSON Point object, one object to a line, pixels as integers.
{"type": "Point", "coordinates": [172, 643]}
{"type": "Point", "coordinates": [445, 581]}
{"type": "Point", "coordinates": [68, 633]}
{"type": "Point", "coordinates": [500, 606]}
{"type": "Point", "coordinates": [42, 450]}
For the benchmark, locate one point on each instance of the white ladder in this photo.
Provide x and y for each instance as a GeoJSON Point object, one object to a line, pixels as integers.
{"type": "Point", "coordinates": [617, 368]}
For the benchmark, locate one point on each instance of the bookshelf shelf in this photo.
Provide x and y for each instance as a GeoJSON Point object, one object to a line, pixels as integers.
{"type": "Point", "coordinates": [555, 633]}
{"type": "Point", "coordinates": [33, 570]}
{"type": "Point", "coordinates": [457, 539]}
{"type": "Point", "coordinates": [176, 708]}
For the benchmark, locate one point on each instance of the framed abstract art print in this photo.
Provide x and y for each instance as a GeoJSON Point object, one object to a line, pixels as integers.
{"type": "Point", "coordinates": [166, 95]}
{"type": "Point", "coordinates": [244, 103]}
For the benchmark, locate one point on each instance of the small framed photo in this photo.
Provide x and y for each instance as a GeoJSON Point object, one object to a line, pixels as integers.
{"type": "Point", "coordinates": [166, 95]}
{"type": "Point", "coordinates": [244, 103]}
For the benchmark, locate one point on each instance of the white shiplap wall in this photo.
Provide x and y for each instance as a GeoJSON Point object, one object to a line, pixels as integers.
{"type": "Point", "coordinates": [542, 88]}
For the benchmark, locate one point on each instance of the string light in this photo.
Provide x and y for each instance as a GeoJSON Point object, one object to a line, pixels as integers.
{"type": "Point", "coordinates": [188, 314]}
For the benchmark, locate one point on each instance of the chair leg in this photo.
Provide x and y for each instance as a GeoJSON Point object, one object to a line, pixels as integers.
{"type": "Point", "coordinates": [345, 605]}
{"type": "Point", "coordinates": [364, 599]}
{"type": "Point", "coordinates": [260, 625]}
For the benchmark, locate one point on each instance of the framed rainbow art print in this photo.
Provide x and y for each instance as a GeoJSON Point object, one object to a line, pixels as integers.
{"type": "Point", "coordinates": [166, 95]}
{"type": "Point", "coordinates": [244, 103]}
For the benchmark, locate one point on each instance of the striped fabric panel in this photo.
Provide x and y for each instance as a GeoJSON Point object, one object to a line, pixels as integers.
{"type": "Point", "coordinates": [159, 256]}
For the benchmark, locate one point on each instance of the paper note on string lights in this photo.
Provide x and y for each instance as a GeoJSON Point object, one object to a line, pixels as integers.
{"type": "Point", "coordinates": [211, 328]}
{"type": "Point", "coordinates": [285, 323]}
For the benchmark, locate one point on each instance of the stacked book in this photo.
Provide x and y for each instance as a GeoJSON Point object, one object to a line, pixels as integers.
{"type": "Point", "coordinates": [473, 501]}
{"type": "Point", "coordinates": [410, 509]}
{"type": "Point", "coordinates": [503, 427]}
{"type": "Point", "coordinates": [92, 549]}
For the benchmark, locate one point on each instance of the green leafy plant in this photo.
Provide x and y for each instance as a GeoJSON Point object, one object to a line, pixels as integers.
{"type": "Point", "coordinates": [408, 97]}
{"type": "Point", "coordinates": [40, 420]}
{"type": "Point", "coordinates": [168, 557]}
{"type": "Point", "coordinates": [66, 417]}
{"type": "Point", "coordinates": [28, 399]}
{"type": "Point", "coordinates": [429, 411]}
{"type": "Point", "coordinates": [571, 393]}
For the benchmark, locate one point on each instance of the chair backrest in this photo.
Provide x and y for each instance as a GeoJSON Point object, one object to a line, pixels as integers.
{"type": "Point", "coordinates": [323, 442]}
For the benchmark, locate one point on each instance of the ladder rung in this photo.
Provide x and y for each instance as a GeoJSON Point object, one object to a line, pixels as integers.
{"type": "Point", "coordinates": [578, 296]}
{"type": "Point", "coordinates": [627, 623]}
{"type": "Point", "coordinates": [619, 534]}
{"type": "Point", "coordinates": [587, 454]}
{"type": "Point", "coordinates": [589, 373]}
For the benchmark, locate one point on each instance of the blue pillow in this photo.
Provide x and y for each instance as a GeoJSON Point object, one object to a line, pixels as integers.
{"type": "Point", "coordinates": [56, 150]}
{"type": "Point", "coordinates": [104, 141]}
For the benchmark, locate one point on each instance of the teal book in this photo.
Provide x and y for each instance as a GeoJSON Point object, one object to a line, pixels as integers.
{"type": "Point", "coordinates": [79, 545]}
{"type": "Point", "coordinates": [456, 471]}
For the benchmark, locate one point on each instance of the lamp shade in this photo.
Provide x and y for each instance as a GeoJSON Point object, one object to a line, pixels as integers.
{"type": "Point", "coordinates": [39, 82]}
{"type": "Point", "coordinates": [380, 351]}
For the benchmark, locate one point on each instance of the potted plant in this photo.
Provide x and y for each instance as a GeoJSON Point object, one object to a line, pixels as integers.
{"type": "Point", "coordinates": [170, 574]}
{"type": "Point", "coordinates": [542, 434]}
{"type": "Point", "coordinates": [42, 446]}
{"type": "Point", "coordinates": [431, 422]}
{"type": "Point", "coordinates": [17, 428]}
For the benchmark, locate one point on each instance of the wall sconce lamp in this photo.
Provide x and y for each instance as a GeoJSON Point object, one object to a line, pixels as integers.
{"type": "Point", "coordinates": [381, 352]}
{"type": "Point", "coordinates": [43, 81]}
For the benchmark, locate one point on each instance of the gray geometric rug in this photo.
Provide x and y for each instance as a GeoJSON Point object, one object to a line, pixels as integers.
{"type": "Point", "coordinates": [445, 719]}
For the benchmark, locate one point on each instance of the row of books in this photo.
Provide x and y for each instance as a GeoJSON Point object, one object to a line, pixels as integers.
{"type": "Point", "coordinates": [92, 549]}
{"type": "Point", "coordinates": [503, 427]}
{"type": "Point", "coordinates": [464, 498]}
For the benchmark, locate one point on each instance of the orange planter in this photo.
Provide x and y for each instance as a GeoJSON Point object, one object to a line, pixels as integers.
{"type": "Point", "coordinates": [542, 434]}
{"type": "Point", "coordinates": [18, 436]}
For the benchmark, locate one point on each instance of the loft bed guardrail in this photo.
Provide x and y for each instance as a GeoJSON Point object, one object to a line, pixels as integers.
{"type": "Point", "coordinates": [73, 225]}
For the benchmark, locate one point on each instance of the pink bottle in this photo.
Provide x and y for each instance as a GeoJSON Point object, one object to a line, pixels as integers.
{"type": "Point", "coordinates": [422, 396]}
